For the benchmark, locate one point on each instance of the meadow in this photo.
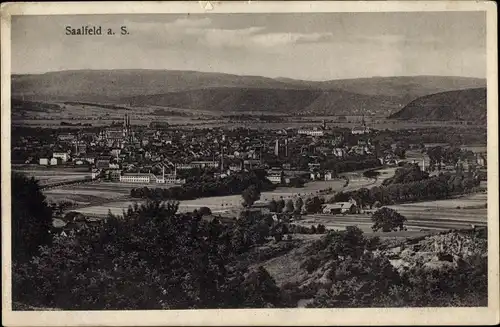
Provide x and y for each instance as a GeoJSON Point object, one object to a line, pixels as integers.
{"type": "Point", "coordinates": [47, 176]}
{"type": "Point", "coordinates": [438, 215]}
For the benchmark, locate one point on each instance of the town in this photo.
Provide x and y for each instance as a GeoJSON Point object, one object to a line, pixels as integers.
{"type": "Point", "coordinates": [125, 159]}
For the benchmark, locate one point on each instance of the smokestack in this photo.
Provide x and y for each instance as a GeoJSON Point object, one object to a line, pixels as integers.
{"type": "Point", "coordinates": [125, 121]}
{"type": "Point", "coordinates": [222, 161]}
{"type": "Point", "coordinates": [286, 147]}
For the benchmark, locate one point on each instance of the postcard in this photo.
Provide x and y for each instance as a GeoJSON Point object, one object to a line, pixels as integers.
{"type": "Point", "coordinates": [250, 163]}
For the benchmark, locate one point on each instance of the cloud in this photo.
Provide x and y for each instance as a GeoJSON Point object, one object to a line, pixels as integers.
{"type": "Point", "coordinates": [254, 37]}
{"type": "Point", "coordinates": [282, 39]}
{"type": "Point", "coordinates": [190, 31]}
{"type": "Point", "coordinates": [190, 22]}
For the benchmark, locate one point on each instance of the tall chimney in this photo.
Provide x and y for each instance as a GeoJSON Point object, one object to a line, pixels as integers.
{"type": "Point", "coordinates": [222, 161]}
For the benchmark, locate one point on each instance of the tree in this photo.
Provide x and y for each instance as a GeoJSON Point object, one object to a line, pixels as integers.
{"type": "Point", "coordinates": [250, 195]}
{"type": "Point", "coordinates": [358, 282]}
{"type": "Point", "coordinates": [289, 208]}
{"type": "Point", "coordinates": [204, 211]}
{"type": "Point", "coordinates": [298, 205]}
{"type": "Point", "coordinates": [260, 289]}
{"type": "Point", "coordinates": [273, 206]}
{"type": "Point", "coordinates": [314, 205]}
{"type": "Point", "coordinates": [149, 258]}
{"type": "Point", "coordinates": [387, 219]}
{"type": "Point", "coordinates": [31, 218]}
{"type": "Point", "coordinates": [280, 205]}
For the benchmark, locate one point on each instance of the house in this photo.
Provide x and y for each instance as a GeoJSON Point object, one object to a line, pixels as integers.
{"type": "Point", "coordinates": [314, 176]}
{"type": "Point", "coordinates": [311, 132]}
{"type": "Point", "coordinates": [95, 173]}
{"type": "Point", "coordinates": [360, 130]}
{"type": "Point", "coordinates": [102, 162]}
{"type": "Point", "coordinates": [338, 152]}
{"type": "Point", "coordinates": [66, 137]}
{"type": "Point", "coordinates": [328, 176]}
{"type": "Point", "coordinates": [89, 158]}
{"type": "Point", "coordinates": [275, 177]}
{"type": "Point", "coordinates": [44, 161]}
{"type": "Point", "coordinates": [205, 164]}
{"type": "Point", "coordinates": [53, 161]}
{"type": "Point", "coordinates": [340, 208]}
{"type": "Point", "coordinates": [61, 155]}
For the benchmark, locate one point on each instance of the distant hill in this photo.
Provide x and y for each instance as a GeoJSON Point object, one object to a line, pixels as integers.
{"type": "Point", "coordinates": [298, 101]}
{"type": "Point", "coordinates": [404, 87]}
{"type": "Point", "coordinates": [231, 99]}
{"type": "Point", "coordinates": [464, 105]}
{"type": "Point", "coordinates": [379, 96]}
{"type": "Point", "coordinates": [111, 85]}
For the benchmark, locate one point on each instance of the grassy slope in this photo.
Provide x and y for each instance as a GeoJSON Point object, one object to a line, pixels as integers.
{"type": "Point", "coordinates": [467, 105]}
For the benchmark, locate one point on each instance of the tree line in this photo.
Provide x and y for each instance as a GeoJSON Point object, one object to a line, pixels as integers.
{"type": "Point", "coordinates": [206, 186]}
{"type": "Point", "coordinates": [438, 187]}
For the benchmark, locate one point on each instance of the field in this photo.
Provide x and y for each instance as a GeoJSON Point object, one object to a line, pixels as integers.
{"type": "Point", "coordinates": [53, 176]}
{"type": "Point", "coordinates": [216, 203]}
{"type": "Point", "coordinates": [428, 215]}
{"type": "Point", "coordinates": [93, 193]}
{"type": "Point", "coordinates": [223, 203]}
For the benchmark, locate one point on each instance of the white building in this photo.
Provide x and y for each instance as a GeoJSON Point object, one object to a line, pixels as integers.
{"type": "Point", "coordinates": [169, 178]}
{"type": "Point", "coordinates": [205, 164]}
{"type": "Point", "coordinates": [61, 155]}
{"type": "Point", "coordinates": [44, 161]}
{"type": "Point", "coordinates": [360, 130]}
{"type": "Point", "coordinates": [53, 161]}
{"type": "Point", "coordinates": [338, 152]}
{"type": "Point", "coordinates": [276, 179]}
{"type": "Point", "coordinates": [137, 178]}
{"type": "Point", "coordinates": [311, 132]}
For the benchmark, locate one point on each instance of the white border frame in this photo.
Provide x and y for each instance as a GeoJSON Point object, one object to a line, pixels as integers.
{"type": "Point", "coordinates": [371, 316]}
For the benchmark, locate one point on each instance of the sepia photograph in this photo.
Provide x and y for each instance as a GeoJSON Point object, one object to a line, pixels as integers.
{"type": "Point", "coordinates": [238, 156]}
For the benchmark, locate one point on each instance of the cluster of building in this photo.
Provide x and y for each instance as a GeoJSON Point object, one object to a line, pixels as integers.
{"type": "Point", "coordinates": [128, 153]}
{"type": "Point", "coordinates": [160, 153]}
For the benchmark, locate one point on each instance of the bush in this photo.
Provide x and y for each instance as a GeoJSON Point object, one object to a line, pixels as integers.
{"type": "Point", "coordinates": [387, 219]}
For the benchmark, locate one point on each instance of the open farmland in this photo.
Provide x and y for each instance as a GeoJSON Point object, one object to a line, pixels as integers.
{"type": "Point", "coordinates": [53, 176]}
{"type": "Point", "coordinates": [216, 203]}
{"type": "Point", "coordinates": [220, 203]}
{"type": "Point", "coordinates": [93, 193]}
{"type": "Point", "coordinates": [429, 215]}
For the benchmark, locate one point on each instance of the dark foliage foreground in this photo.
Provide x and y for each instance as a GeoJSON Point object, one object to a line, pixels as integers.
{"type": "Point", "coordinates": [154, 258]}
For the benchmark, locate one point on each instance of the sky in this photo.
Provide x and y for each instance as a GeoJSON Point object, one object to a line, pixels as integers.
{"type": "Point", "coordinates": [308, 46]}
